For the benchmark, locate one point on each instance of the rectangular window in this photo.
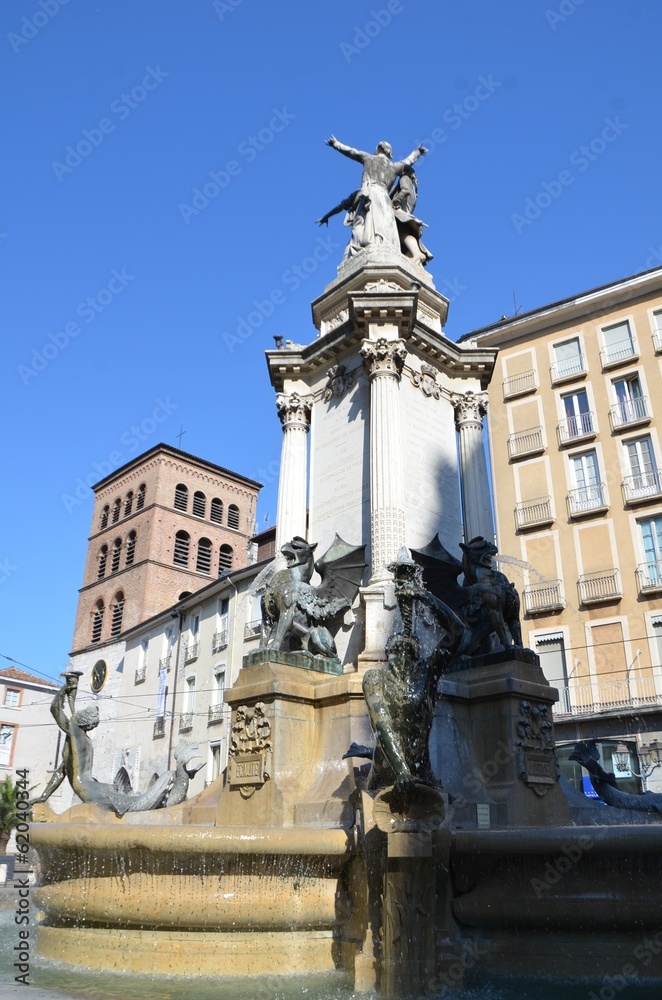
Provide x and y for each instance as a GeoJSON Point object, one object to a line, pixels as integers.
{"type": "Point", "coordinates": [6, 744]}
{"type": "Point", "coordinates": [577, 417]}
{"type": "Point", "coordinates": [568, 359]}
{"type": "Point", "coordinates": [189, 696]}
{"type": "Point", "coordinates": [12, 697]}
{"type": "Point", "coordinates": [630, 401]}
{"type": "Point", "coordinates": [162, 693]}
{"type": "Point", "coordinates": [219, 687]}
{"type": "Point", "coordinates": [656, 641]}
{"type": "Point", "coordinates": [619, 343]}
{"type": "Point", "coordinates": [651, 536]}
{"type": "Point", "coordinates": [214, 765]}
{"type": "Point", "coordinates": [644, 479]}
{"type": "Point", "coordinates": [551, 650]}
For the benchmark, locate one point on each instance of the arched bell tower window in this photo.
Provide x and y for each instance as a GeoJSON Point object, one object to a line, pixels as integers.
{"type": "Point", "coordinates": [105, 514]}
{"type": "Point", "coordinates": [117, 613]}
{"type": "Point", "coordinates": [130, 549]}
{"type": "Point", "coordinates": [225, 559]}
{"type": "Point", "coordinates": [103, 559]}
{"type": "Point", "coordinates": [128, 503]}
{"type": "Point", "coordinates": [216, 514]}
{"type": "Point", "coordinates": [199, 504]}
{"type": "Point", "coordinates": [233, 516]}
{"type": "Point", "coordinates": [181, 497]}
{"type": "Point", "coordinates": [117, 550]}
{"type": "Point", "coordinates": [140, 499]}
{"type": "Point", "coordinates": [97, 621]}
{"type": "Point", "coordinates": [203, 562]}
{"type": "Point", "coordinates": [182, 545]}
{"type": "Point", "coordinates": [117, 507]}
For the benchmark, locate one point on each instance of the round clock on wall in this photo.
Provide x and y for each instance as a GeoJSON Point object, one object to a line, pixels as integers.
{"type": "Point", "coordinates": [99, 673]}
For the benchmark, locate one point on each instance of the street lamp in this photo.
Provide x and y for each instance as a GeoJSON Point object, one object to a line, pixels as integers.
{"type": "Point", "coordinates": [650, 758]}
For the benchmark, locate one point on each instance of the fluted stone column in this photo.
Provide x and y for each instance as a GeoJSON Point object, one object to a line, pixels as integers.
{"type": "Point", "coordinates": [470, 408]}
{"type": "Point", "coordinates": [383, 361]}
{"type": "Point", "coordinates": [294, 412]}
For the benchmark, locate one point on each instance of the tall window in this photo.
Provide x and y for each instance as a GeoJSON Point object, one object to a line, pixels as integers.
{"type": "Point", "coordinates": [181, 497]}
{"type": "Point", "coordinates": [97, 621]}
{"type": "Point", "coordinates": [117, 507]}
{"type": "Point", "coordinates": [214, 766]}
{"type": "Point", "coordinates": [233, 516]}
{"type": "Point", "coordinates": [577, 416]}
{"type": "Point", "coordinates": [140, 499]}
{"type": "Point", "coordinates": [223, 616]}
{"type": "Point", "coordinates": [12, 698]}
{"type": "Point", "coordinates": [117, 550]}
{"type": "Point", "coordinates": [225, 555]}
{"type": "Point", "coordinates": [218, 689]}
{"type": "Point", "coordinates": [105, 514]}
{"type": "Point", "coordinates": [128, 503]}
{"type": "Point", "coordinates": [162, 693]}
{"type": "Point", "coordinates": [656, 641]}
{"type": "Point", "coordinates": [203, 562]}
{"type": "Point", "coordinates": [6, 744]}
{"type": "Point", "coordinates": [130, 549]}
{"type": "Point", "coordinates": [587, 480]}
{"type": "Point", "coordinates": [568, 359]}
{"type": "Point", "coordinates": [618, 343]}
{"type": "Point", "coordinates": [642, 463]}
{"type": "Point", "coordinates": [182, 544]}
{"type": "Point", "coordinates": [551, 650]}
{"type": "Point", "coordinates": [216, 513]}
{"type": "Point", "coordinates": [651, 540]}
{"type": "Point", "coordinates": [199, 504]}
{"type": "Point", "coordinates": [189, 696]}
{"type": "Point", "coordinates": [117, 612]}
{"type": "Point", "coordinates": [629, 399]}
{"type": "Point", "coordinates": [103, 559]}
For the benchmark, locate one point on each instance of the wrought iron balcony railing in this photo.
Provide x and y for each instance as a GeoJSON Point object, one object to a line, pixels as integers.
{"type": "Point", "coordinates": [573, 428]}
{"type": "Point", "coordinates": [617, 354]}
{"type": "Point", "coordinates": [569, 369]}
{"type": "Point", "coordinates": [185, 721]}
{"type": "Point", "coordinates": [141, 673]}
{"type": "Point", "coordinates": [191, 651]}
{"type": "Point", "coordinates": [518, 385]}
{"type": "Point", "coordinates": [544, 596]}
{"type": "Point", "coordinates": [216, 713]}
{"type": "Point", "coordinates": [219, 641]}
{"type": "Point", "coordinates": [253, 629]}
{"type": "Point", "coordinates": [587, 500]}
{"type": "Point", "coordinates": [597, 587]}
{"type": "Point", "coordinates": [527, 442]}
{"type": "Point", "coordinates": [164, 662]}
{"type": "Point", "coordinates": [642, 487]}
{"type": "Point", "coordinates": [629, 412]}
{"type": "Point", "coordinates": [649, 577]}
{"type": "Point", "coordinates": [533, 513]}
{"type": "Point", "coordinates": [159, 726]}
{"type": "Point", "coordinates": [607, 696]}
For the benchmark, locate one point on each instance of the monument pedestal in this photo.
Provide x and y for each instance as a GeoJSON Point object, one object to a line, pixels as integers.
{"type": "Point", "coordinates": [493, 743]}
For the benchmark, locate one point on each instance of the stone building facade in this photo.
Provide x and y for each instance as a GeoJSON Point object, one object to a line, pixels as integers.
{"type": "Point", "coordinates": [575, 425]}
{"type": "Point", "coordinates": [163, 525]}
{"type": "Point", "coordinates": [28, 736]}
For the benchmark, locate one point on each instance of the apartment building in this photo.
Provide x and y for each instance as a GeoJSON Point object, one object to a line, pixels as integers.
{"type": "Point", "coordinates": [575, 419]}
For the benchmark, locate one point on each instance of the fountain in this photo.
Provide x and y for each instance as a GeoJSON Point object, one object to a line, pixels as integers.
{"type": "Point", "coordinates": [392, 808]}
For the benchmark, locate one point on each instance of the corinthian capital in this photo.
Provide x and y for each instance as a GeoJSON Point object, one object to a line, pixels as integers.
{"type": "Point", "coordinates": [294, 408]}
{"type": "Point", "coordinates": [383, 357]}
{"type": "Point", "coordinates": [469, 406]}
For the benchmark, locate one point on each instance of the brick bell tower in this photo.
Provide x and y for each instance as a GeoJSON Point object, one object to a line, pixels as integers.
{"type": "Point", "coordinates": [164, 524]}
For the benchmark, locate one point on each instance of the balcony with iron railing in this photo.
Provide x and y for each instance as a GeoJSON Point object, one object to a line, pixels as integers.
{"type": "Point", "coordinates": [579, 427]}
{"type": "Point", "coordinates": [519, 385]}
{"type": "Point", "coordinates": [643, 487]}
{"type": "Point", "coordinates": [141, 674]}
{"type": "Point", "coordinates": [185, 721]}
{"type": "Point", "coordinates": [159, 727]}
{"type": "Point", "coordinates": [533, 513]}
{"type": "Point", "coordinates": [191, 651]}
{"type": "Point", "coordinates": [568, 370]}
{"type": "Point", "coordinates": [216, 714]}
{"type": "Point", "coordinates": [595, 588]}
{"type": "Point", "coordinates": [253, 629]}
{"type": "Point", "coordinates": [618, 354]}
{"type": "Point", "coordinates": [629, 412]}
{"type": "Point", "coordinates": [528, 442]}
{"type": "Point", "coordinates": [164, 662]}
{"type": "Point", "coordinates": [605, 697]}
{"type": "Point", "coordinates": [219, 641]}
{"type": "Point", "coordinates": [649, 577]}
{"type": "Point", "coordinates": [587, 500]}
{"type": "Point", "coordinates": [547, 595]}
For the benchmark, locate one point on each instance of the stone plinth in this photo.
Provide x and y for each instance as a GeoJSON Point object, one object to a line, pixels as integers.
{"type": "Point", "coordinates": [493, 743]}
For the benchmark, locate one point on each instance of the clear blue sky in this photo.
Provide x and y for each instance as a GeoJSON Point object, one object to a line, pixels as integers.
{"type": "Point", "coordinates": [169, 90]}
